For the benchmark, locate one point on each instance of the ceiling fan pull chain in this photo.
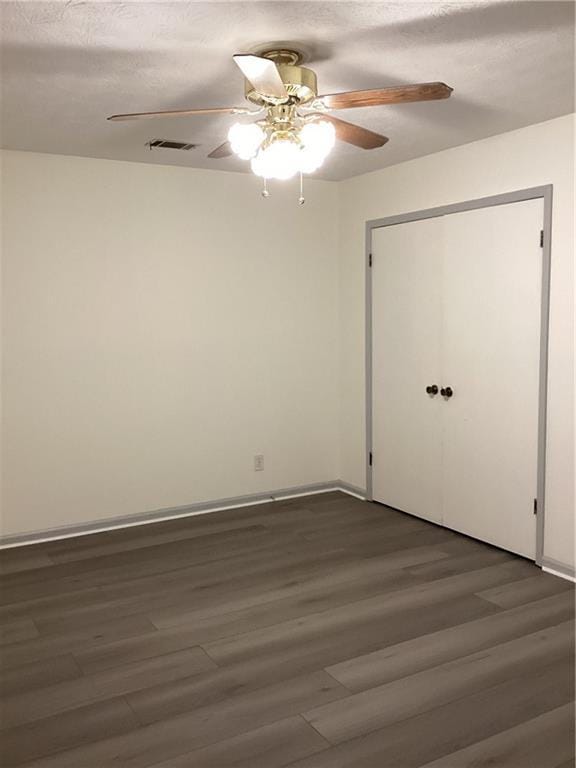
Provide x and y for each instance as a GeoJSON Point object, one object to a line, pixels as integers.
{"type": "Point", "coordinates": [301, 199]}
{"type": "Point", "coordinates": [265, 192]}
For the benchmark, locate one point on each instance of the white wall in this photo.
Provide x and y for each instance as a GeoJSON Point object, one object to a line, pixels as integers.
{"type": "Point", "coordinates": [161, 326]}
{"type": "Point", "coordinates": [539, 154]}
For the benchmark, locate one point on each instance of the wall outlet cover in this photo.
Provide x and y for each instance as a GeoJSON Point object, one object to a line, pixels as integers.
{"type": "Point", "coordinates": [259, 462]}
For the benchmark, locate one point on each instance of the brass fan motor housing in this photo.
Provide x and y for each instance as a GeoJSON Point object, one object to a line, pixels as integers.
{"type": "Point", "coordinates": [300, 82]}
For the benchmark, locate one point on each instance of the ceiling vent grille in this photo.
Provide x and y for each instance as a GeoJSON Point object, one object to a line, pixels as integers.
{"type": "Point", "coordinates": [168, 144]}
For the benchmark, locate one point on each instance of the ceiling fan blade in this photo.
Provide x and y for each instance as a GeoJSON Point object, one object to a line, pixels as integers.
{"type": "Point", "coordinates": [400, 94]}
{"type": "Point", "coordinates": [355, 134]}
{"type": "Point", "coordinates": [224, 150]}
{"type": "Point", "coordinates": [263, 74]}
{"type": "Point", "coordinates": [181, 113]}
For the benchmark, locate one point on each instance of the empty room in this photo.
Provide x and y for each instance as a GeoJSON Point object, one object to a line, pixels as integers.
{"type": "Point", "coordinates": [287, 384]}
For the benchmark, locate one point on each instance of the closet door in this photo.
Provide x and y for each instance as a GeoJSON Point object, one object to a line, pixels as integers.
{"type": "Point", "coordinates": [406, 324]}
{"type": "Point", "coordinates": [492, 266]}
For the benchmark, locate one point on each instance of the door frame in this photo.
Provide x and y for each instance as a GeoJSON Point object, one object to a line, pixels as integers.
{"type": "Point", "coordinates": [545, 193]}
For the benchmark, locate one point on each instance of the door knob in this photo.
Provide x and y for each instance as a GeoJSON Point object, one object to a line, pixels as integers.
{"type": "Point", "coordinates": [432, 390]}
{"type": "Point", "coordinates": [446, 392]}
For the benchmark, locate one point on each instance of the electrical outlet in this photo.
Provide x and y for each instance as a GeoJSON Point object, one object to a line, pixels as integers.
{"type": "Point", "coordinates": [259, 462]}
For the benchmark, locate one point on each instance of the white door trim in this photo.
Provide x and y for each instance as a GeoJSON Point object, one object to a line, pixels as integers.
{"type": "Point", "coordinates": [544, 192]}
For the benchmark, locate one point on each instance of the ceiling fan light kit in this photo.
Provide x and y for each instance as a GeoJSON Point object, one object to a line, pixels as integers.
{"type": "Point", "coordinates": [280, 149]}
{"type": "Point", "coordinates": [296, 133]}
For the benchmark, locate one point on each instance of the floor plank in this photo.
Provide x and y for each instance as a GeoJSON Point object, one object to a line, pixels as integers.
{"type": "Point", "coordinates": [213, 688]}
{"type": "Point", "coordinates": [425, 651]}
{"type": "Point", "coordinates": [17, 559]}
{"type": "Point", "coordinates": [204, 582]}
{"type": "Point", "coordinates": [538, 743]}
{"type": "Point", "coordinates": [206, 725]}
{"type": "Point", "coordinates": [325, 624]}
{"type": "Point", "coordinates": [83, 725]}
{"type": "Point", "coordinates": [15, 631]}
{"type": "Point", "coordinates": [146, 645]}
{"type": "Point", "coordinates": [270, 746]}
{"type": "Point", "coordinates": [372, 709]}
{"type": "Point", "coordinates": [38, 674]}
{"type": "Point", "coordinates": [20, 653]}
{"type": "Point", "coordinates": [135, 563]}
{"type": "Point", "coordinates": [525, 590]}
{"type": "Point", "coordinates": [214, 599]}
{"type": "Point", "coordinates": [141, 537]}
{"type": "Point", "coordinates": [451, 566]}
{"type": "Point", "coordinates": [445, 729]}
{"type": "Point", "coordinates": [363, 571]}
{"type": "Point", "coordinates": [315, 646]}
{"type": "Point", "coordinates": [37, 704]}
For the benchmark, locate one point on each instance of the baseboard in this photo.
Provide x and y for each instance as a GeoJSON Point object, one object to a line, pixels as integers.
{"type": "Point", "coordinates": [171, 513]}
{"type": "Point", "coordinates": [556, 568]}
{"type": "Point", "coordinates": [351, 490]}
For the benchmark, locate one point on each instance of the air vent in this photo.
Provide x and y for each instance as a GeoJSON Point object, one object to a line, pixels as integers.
{"type": "Point", "coordinates": [167, 144]}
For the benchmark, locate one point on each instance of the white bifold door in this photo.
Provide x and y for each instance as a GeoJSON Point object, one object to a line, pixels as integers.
{"type": "Point", "coordinates": [455, 370]}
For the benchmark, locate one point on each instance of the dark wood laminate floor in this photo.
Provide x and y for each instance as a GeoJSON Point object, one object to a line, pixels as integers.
{"type": "Point", "coordinates": [318, 632]}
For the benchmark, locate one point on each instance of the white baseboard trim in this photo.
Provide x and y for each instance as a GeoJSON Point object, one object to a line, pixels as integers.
{"type": "Point", "coordinates": [557, 568]}
{"type": "Point", "coordinates": [351, 490]}
{"type": "Point", "coordinates": [190, 510]}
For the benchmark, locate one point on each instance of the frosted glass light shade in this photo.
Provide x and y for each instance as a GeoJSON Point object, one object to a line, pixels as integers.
{"type": "Point", "coordinates": [280, 160]}
{"type": "Point", "coordinates": [310, 160]}
{"type": "Point", "coordinates": [287, 153]}
{"type": "Point", "coordinates": [317, 140]}
{"type": "Point", "coordinates": [318, 137]}
{"type": "Point", "coordinates": [245, 138]}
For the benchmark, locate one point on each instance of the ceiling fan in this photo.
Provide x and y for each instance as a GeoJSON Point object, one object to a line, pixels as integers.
{"type": "Point", "coordinates": [294, 131]}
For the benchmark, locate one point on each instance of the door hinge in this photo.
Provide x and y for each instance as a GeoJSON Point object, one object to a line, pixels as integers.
{"type": "Point", "coordinates": [541, 238]}
{"type": "Point", "coordinates": [369, 259]}
{"type": "Point", "coordinates": [370, 458]}
{"type": "Point", "coordinates": [535, 506]}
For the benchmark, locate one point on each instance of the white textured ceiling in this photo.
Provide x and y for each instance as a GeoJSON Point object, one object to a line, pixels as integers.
{"type": "Point", "coordinates": [67, 65]}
